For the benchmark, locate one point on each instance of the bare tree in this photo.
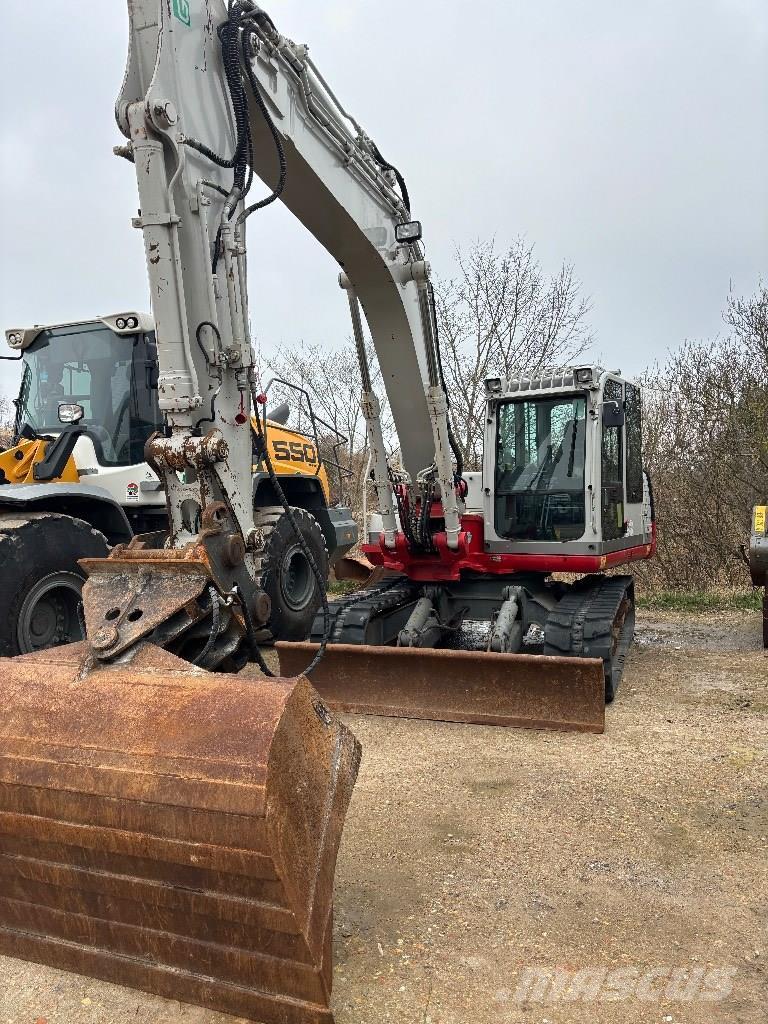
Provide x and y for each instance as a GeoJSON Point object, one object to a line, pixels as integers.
{"type": "Point", "coordinates": [748, 319]}
{"type": "Point", "coordinates": [6, 421]}
{"type": "Point", "coordinates": [500, 314]}
{"type": "Point", "coordinates": [503, 315]}
{"type": "Point", "coordinates": [706, 443]}
{"type": "Point", "coordinates": [332, 379]}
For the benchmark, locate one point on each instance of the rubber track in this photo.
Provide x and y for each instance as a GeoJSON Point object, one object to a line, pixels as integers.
{"type": "Point", "coordinates": [351, 616]}
{"type": "Point", "coordinates": [581, 625]}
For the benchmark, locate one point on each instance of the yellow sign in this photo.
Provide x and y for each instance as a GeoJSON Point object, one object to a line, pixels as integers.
{"type": "Point", "coordinates": [761, 514]}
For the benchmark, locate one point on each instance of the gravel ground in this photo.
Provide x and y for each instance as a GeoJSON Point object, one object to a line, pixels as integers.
{"type": "Point", "coordinates": [472, 855]}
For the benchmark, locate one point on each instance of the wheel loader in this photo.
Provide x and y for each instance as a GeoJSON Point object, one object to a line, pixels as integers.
{"type": "Point", "coordinates": [74, 490]}
{"type": "Point", "coordinates": [757, 559]}
{"type": "Point", "coordinates": [168, 820]}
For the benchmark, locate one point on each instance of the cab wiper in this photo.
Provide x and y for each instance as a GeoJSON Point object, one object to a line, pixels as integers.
{"type": "Point", "coordinates": [534, 484]}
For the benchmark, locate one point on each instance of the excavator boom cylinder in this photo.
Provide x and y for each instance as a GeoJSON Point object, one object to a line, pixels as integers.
{"type": "Point", "coordinates": [173, 830]}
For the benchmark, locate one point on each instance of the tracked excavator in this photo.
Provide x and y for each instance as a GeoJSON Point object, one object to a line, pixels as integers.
{"type": "Point", "coordinates": [166, 820]}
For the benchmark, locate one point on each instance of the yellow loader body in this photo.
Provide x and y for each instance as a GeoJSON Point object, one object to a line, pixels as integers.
{"type": "Point", "coordinates": [292, 454]}
{"type": "Point", "coordinates": [18, 464]}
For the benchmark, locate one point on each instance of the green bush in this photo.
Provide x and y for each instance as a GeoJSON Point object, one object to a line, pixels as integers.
{"type": "Point", "coordinates": [702, 601]}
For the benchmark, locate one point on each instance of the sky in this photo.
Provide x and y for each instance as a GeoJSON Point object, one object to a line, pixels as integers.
{"type": "Point", "coordinates": [626, 137]}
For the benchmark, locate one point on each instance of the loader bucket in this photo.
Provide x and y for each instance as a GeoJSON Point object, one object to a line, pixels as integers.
{"type": "Point", "coordinates": [522, 691]}
{"type": "Point", "coordinates": [357, 569]}
{"type": "Point", "coordinates": [172, 830]}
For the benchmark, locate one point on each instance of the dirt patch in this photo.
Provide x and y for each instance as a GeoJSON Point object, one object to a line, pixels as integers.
{"type": "Point", "coordinates": [473, 855]}
{"type": "Point", "coordinates": [706, 631]}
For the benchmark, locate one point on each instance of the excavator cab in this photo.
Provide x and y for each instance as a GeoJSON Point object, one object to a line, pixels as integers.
{"type": "Point", "coordinates": [565, 454]}
{"type": "Point", "coordinates": [540, 451]}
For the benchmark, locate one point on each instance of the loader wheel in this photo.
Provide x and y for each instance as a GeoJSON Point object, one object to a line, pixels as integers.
{"type": "Point", "coordinates": [286, 574]}
{"type": "Point", "coordinates": [40, 580]}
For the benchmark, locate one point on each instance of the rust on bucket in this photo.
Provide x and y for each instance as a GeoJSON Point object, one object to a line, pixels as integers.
{"type": "Point", "coordinates": [173, 830]}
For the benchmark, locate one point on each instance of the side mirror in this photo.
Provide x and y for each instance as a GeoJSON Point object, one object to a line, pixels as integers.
{"type": "Point", "coordinates": [70, 412]}
{"type": "Point", "coordinates": [613, 414]}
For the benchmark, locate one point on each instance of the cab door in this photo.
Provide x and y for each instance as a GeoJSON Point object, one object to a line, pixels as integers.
{"type": "Point", "coordinates": [612, 461]}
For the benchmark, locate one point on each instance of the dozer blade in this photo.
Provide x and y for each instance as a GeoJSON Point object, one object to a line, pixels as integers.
{"type": "Point", "coordinates": [172, 830]}
{"type": "Point", "coordinates": [522, 691]}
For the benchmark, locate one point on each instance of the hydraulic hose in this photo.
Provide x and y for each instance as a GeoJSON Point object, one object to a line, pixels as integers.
{"type": "Point", "coordinates": [236, 55]}
{"type": "Point", "coordinates": [215, 622]}
{"type": "Point", "coordinates": [248, 56]}
{"type": "Point", "coordinates": [457, 453]}
{"type": "Point", "coordinates": [387, 166]}
{"type": "Point", "coordinates": [237, 52]}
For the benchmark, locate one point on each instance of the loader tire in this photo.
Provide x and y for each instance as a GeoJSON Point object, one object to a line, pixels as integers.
{"type": "Point", "coordinates": [40, 580]}
{"type": "Point", "coordinates": [286, 574]}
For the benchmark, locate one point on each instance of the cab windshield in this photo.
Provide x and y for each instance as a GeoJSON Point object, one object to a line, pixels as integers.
{"type": "Point", "coordinates": [540, 451]}
{"type": "Point", "coordinates": [112, 378]}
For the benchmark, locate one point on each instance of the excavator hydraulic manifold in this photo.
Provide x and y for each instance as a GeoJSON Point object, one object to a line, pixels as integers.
{"type": "Point", "coordinates": [172, 830]}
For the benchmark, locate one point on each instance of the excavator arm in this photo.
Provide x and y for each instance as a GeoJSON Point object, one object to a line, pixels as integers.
{"type": "Point", "coordinates": [212, 95]}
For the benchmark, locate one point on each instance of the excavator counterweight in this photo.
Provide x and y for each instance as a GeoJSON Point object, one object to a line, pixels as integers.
{"type": "Point", "coordinates": [171, 829]}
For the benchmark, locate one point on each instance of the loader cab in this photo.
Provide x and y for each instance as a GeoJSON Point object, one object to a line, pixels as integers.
{"type": "Point", "coordinates": [563, 452]}
{"type": "Point", "coordinates": [106, 366]}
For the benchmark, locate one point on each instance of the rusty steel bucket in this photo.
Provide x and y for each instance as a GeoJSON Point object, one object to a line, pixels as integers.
{"type": "Point", "coordinates": [172, 830]}
{"type": "Point", "coordinates": [521, 691]}
{"type": "Point", "coordinates": [357, 569]}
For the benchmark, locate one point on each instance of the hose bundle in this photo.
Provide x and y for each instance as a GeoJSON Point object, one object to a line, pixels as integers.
{"type": "Point", "coordinates": [237, 53]}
